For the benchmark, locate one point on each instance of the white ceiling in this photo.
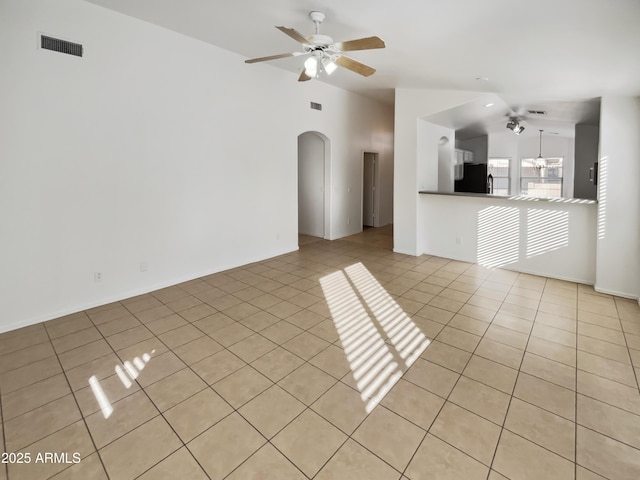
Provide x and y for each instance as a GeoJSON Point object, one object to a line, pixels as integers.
{"type": "Point", "coordinates": [531, 54]}
{"type": "Point", "coordinates": [489, 113]}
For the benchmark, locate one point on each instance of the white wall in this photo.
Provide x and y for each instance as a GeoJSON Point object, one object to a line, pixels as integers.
{"type": "Point", "coordinates": [385, 177]}
{"type": "Point", "coordinates": [410, 106]}
{"type": "Point", "coordinates": [435, 166]}
{"type": "Point", "coordinates": [538, 237]}
{"type": "Point", "coordinates": [609, 257]}
{"type": "Point", "coordinates": [618, 251]}
{"type": "Point", "coordinates": [353, 124]}
{"type": "Point", "coordinates": [153, 148]}
{"type": "Point", "coordinates": [435, 162]}
{"type": "Point", "coordinates": [447, 158]}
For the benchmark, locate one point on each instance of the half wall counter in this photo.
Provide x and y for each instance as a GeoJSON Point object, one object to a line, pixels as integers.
{"type": "Point", "coordinates": [553, 237]}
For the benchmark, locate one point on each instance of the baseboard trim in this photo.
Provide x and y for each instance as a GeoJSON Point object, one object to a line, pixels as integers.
{"type": "Point", "coordinates": [405, 252]}
{"type": "Point", "coordinates": [616, 293]}
{"type": "Point", "coordinates": [138, 291]}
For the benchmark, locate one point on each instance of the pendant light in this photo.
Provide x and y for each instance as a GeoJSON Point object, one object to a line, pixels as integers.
{"type": "Point", "coordinates": [540, 162]}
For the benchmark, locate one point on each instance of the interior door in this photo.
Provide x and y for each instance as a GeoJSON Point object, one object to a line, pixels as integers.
{"type": "Point", "coordinates": [369, 189]}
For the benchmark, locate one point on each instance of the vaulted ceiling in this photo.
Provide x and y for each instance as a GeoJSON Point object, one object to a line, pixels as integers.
{"type": "Point", "coordinates": [529, 53]}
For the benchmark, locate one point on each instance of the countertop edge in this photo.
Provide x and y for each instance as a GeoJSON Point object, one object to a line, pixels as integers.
{"type": "Point", "coordinates": [521, 198]}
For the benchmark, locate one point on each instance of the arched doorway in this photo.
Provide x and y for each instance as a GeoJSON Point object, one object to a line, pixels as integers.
{"type": "Point", "coordinates": [313, 155]}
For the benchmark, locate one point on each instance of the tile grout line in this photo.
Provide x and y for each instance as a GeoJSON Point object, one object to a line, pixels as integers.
{"type": "Point", "coordinates": [4, 441]}
{"type": "Point", "coordinates": [258, 332]}
{"type": "Point", "coordinates": [447, 400]}
{"type": "Point", "coordinates": [514, 386]}
{"type": "Point", "coordinates": [23, 348]}
{"type": "Point", "coordinates": [207, 387]}
{"type": "Point", "coordinates": [141, 389]}
{"type": "Point", "coordinates": [84, 420]}
{"type": "Point", "coordinates": [350, 436]}
{"type": "Point", "coordinates": [575, 414]}
{"type": "Point", "coordinates": [541, 446]}
{"type": "Point", "coordinates": [31, 384]}
{"type": "Point", "coordinates": [308, 407]}
{"type": "Point", "coordinates": [626, 342]}
{"type": "Point", "coordinates": [161, 413]}
{"type": "Point", "coordinates": [550, 359]}
{"type": "Point", "coordinates": [234, 409]}
{"type": "Point", "coordinates": [30, 363]}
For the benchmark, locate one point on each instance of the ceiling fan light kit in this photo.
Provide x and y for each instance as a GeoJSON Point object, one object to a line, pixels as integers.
{"type": "Point", "coordinates": [311, 67]}
{"type": "Point", "coordinates": [329, 66]}
{"type": "Point", "coordinates": [323, 54]}
{"type": "Point", "coordinates": [515, 126]}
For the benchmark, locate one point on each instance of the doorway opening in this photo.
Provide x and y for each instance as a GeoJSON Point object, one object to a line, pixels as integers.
{"type": "Point", "coordinates": [313, 161]}
{"type": "Point", "coordinates": [370, 197]}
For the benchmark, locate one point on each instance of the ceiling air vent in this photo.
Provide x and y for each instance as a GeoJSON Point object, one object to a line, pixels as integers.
{"type": "Point", "coordinates": [62, 46]}
{"type": "Point", "coordinates": [536, 112]}
{"type": "Point", "coordinates": [316, 106]}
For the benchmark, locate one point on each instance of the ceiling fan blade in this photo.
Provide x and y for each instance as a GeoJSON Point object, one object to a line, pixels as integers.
{"type": "Point", "coordinates": [303, 77]}
{"type": "Point", "coordinates": [275, 57]}
{"type": "Point", "coordinates": [271, 57]}
{"type": "Point", "coordinates": [297, 36]}
{"type": "Point", "coordinates": [355, 66]}
{"type": "Point", "coordinates": [360, 44]}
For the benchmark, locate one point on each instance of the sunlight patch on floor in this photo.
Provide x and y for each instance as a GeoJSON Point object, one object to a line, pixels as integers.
{"type": "Point", "coordinates": [376, 365]}
{"type": "Point", "coordinates": [126, 375]}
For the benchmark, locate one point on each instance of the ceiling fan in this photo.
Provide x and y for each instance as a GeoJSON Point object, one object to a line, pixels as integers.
{"type": "Point", "coordinates": [323, 54]}
{"type": "Point", "coordinates": [515, 117]}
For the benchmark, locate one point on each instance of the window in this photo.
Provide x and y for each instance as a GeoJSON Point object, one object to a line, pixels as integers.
{"type": "Point", "coordinates": [541, 182]}
{"type": "Point", "coordinates": [499, 170]}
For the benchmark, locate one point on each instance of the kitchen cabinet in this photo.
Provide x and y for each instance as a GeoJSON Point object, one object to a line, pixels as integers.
{"type": "Point", "coordinates": [461, 157]}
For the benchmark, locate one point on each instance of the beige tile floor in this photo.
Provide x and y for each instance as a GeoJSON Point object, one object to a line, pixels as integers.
{"type": "Point", "coordinates": [244, 374]}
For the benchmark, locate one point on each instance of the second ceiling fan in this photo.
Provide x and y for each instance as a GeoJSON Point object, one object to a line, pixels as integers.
{"type": "Point", "coordinates": [323, 54]}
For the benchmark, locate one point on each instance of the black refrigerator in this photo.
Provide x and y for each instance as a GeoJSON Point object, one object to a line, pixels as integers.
{"type": "Point", "coordinates": [474, 179]}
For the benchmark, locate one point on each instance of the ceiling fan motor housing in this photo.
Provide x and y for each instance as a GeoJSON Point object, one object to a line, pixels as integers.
{"type": "Point", "coordinates": [317, 17]}
{"type": "Point", "coordinates": [320, 40]}
{"type": "Point", "coordinates": [317, 39]}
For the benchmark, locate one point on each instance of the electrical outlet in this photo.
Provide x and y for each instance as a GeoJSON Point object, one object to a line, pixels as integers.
{"type": "Point", "coordinates": [348, 220]}
{"type": "Point", "coordinates": [458, 240]}
{"type": "Point", "coordinates": [97, 277]}
{"type": "Point", "coordinates": [144, 266]}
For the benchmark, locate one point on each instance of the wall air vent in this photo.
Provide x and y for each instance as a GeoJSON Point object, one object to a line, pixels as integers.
{"type": "Point", "coordinates": [536, 112]}
{"type": "Point", "coordinates": [62, 46]}
{"type": "Point", "coordinates": [316, 106]}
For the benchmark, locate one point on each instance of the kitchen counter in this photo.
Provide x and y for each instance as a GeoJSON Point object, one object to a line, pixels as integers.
{"type": "Point", "coordinates": [524, 198]}
{"type": "Point", "coordinates": [553, 237]}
